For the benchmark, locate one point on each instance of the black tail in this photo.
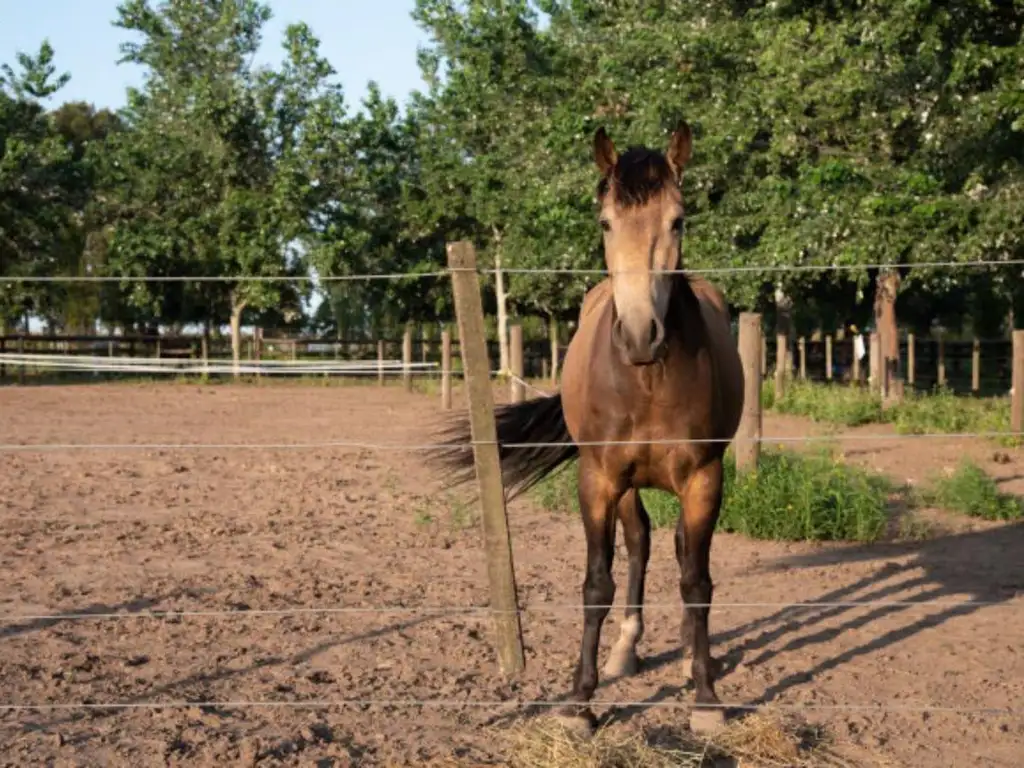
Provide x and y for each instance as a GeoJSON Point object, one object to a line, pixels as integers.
{"type": "Point", "coordinates": [538, 422]}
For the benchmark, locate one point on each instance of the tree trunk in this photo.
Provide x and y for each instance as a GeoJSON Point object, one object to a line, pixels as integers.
{"type": "Point", "coordinates": [887, 286]}
{"type": "Point", "coordinates": [237, 307]}
{"type": "Point", "coordinates": [502, 299]}
{"type": "Point", "coordinates": [783, 334]}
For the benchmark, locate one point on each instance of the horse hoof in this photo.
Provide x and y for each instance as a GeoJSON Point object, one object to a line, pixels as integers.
{"type": "Point", "coordinates": [622, 664]}
{"type": "Point", "coordinates": [707, 721]}
{"type": "Point", "coordinates": [579, 725]}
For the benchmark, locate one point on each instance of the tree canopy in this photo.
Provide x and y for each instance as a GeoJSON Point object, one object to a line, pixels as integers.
{"type": "Point", "coordinates": [829, 135]}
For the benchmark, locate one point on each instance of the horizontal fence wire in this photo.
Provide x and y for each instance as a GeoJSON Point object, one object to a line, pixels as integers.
{"type": "Point", "coordinates": [513, 270]}
{"type": "Point", "coordinates": [423, 447]}
{"type": "Point", "coordinates": [499, 703]}
{"type": "Point", "coordinates": [483, 610]}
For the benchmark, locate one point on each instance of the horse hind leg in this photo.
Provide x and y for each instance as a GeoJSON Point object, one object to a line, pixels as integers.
{"type": "Point", "coordinates": [701, 502]}
{"type": "Point", "coordinates": [636, 527]}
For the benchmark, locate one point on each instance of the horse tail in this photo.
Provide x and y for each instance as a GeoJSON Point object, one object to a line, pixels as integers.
{"type": "Point", "coordinates": [537, 425]}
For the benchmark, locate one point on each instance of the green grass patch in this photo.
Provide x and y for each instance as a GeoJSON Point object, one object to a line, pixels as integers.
{"type": "Point", "coordinates": [971, 491]}
{"type": "Point", "coordinates": [937, 412]}
{"type": "Point", "coordinates": [831, 403]}
{"type": "Point", "coordinates": [790, 497]}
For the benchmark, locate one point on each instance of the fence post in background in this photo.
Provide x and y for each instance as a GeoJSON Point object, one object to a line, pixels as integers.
{"type": "Point", "coordinates": [424, 344]}
{"type": "Point", "coordinates": [976, 366]}
{"type": "Point", "coordinates": [782, 364]}
{"type": "Point", "coordinates": [553, 338]}
{"type": "Point", "coordinates": [205, 351]}
{"type": "Point", "coordinates": [911, 365]}
{"type": "Point", "coordinates": [515, 355]}
{"type": "Point", "coordinates": [828, 357]}
{"type": "Point", "coordinates": [855, 364]}
{"type": "Point", "coordinates": [3, 364]}
{"type": "Point", "coordinates": [941, 362]}
{"type": "Point", "coordinates": [802, 349]}
{"type": "Point", "coordinates": [875, 363]}
{"type": "Point", "coordinates": [1017, 398]}
{"type": "Point", "coordinates": [407, 358]}
{"type": "Point", "coordinates": [544, 369]}
{"type": "Point", "coordinates": [748, 442]}
{"type": "Point", "coordinates": [380, 363]}
{"type": "Point", "coordinates": [476, 367]}
{"type": "Point", "coordinates": [21, 353]}
{"type": "Point", "coordinates": [446, 370]}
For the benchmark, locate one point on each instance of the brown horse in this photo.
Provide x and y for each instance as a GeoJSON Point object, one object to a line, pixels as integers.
{"type": "Point", "coordinates": [652, 366]}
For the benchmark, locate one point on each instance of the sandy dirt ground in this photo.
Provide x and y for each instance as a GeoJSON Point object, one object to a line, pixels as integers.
{"type": "Point", "coordinates": [299, 530]}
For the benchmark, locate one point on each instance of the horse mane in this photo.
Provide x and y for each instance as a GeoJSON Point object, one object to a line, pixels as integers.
{"type": "Point", "coordinates": [639, 175]}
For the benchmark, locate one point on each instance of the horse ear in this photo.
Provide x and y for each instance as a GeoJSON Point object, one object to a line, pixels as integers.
{"type": "Point", "coordinates": [604, 151]}
{"type": "Point", "coordinates": [680, 148]}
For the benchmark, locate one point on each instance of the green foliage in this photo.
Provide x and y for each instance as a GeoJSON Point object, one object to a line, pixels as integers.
{"type": "Point", "coordinates": [790, 497]}
{"type": "Point", "coordinates": [971, 491]}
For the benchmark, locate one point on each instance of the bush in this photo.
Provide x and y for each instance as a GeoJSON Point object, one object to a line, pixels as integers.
{"type": "Point", "coordinates": [971, 491]}
{"type": "Point", "coordinates": [790, 497]}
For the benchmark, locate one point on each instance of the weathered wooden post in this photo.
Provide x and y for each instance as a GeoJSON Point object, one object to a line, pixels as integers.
{"type": "Point", "coordinates": [941, 361]}
{"type": "Point", "coordinates": [1017, 398]}
{"type": "Point", "coordinates": [911, 361]}
{"type": "Point", "coordinates": [380, 362]}
{"type": "Point", "coordinates": [828, 357]}
{"type": "Point", "coordinates": [498, 544]}
{"type": "Point", "coordinates": [516, 392]}
{"type": "Point", "coordinates": [976, 366]}
{"type": "Point", "coordinates": [446, 369]}
{"type": "Point", "coordinates": [875, 363]}
{"type": "Point", "coordinates": [748, 437]}
{"type": "Point", "coordinates": [407, 358]}
{"type": "Point", "coordinates": [802, 349]}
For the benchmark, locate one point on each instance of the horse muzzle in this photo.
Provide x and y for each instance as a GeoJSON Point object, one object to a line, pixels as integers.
{"type": "Point", "coordinates": [641, 343]}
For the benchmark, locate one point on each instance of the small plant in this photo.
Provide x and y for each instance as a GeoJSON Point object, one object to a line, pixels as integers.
{"type": "Point", "coordinates": [971, 491]}
{"type": "Point", "coordinates": [790, 497]}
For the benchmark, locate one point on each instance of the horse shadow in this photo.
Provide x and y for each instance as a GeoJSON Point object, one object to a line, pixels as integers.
{"type": "Point", "coordinates": [958, 574]}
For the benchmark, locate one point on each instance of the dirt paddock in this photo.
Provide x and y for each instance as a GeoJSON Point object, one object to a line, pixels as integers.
{"type": "Point", "coordinates": [136, 531]}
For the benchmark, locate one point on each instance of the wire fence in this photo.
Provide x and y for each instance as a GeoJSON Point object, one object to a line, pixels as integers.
{"type": "Point", "coordinates": [269, 367]}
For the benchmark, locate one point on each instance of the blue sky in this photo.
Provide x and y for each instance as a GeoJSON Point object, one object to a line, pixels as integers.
{"type": "Point", "coordinates": [363, 39]}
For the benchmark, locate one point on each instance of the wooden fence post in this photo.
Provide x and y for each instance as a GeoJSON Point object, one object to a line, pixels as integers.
{"type": "Point", "coordinates": [407, 358]}
{"type": "Point", "coordinates": [748, 445]}
{"type": "Point", "coordinates": [782, 364]}
{"type": "Point", "coordinates": [553, 339]}
{"type": "Point", "coordinates": [941, 362]}
{"type": "Point", "coordinates": [802, 349]}
{"type": "Point", "coordinates": [446, 369]}
{"type": "Point", "coordinates": [976, 366]}
{"type": "Point", "coordinates": [21, 353]}
{"type": "Point", "coordinates": [855, 373]}
{"type": "Point", "coordinates": [910, 361]}
{"type": "Point", "coordinates": [1017, 398]}
{"type": "Point", "coordinates": [515, 337]}
{"type": "Point", "coordinates": [205, 351]}
{"type": "Point", "coordinates": [875, 362]}
{"type": "Point", "coordinates": [380, 362]}
{"type": "Point", "coordinates": [476, 367]}
{"type": "Point", "coordinates": [828, 357]}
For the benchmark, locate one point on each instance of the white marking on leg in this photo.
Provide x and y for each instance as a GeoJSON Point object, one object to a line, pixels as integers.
{"type": "Point", "coordinates": [623, 660]}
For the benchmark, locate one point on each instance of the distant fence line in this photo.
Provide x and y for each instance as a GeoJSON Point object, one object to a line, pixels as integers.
{"type": "Point", "coordinates": [935, 360]}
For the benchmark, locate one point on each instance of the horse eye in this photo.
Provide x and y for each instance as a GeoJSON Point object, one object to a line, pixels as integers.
{"type": "Point", "coordinates": [606, 225]}
{"type": "Point", "coordinates": [677, 225]}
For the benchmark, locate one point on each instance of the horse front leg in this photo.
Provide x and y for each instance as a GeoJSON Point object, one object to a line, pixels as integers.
{"type": "Point", "coordinates": [701, 500]}
{"type": "Point", "coordinates": [636, 529]}
{"type": "Point", "coordinates": [598, 496]}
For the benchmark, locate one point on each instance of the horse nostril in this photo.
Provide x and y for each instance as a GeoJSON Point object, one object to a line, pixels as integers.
{"type": "Point", "coordinates": [657, 333]}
